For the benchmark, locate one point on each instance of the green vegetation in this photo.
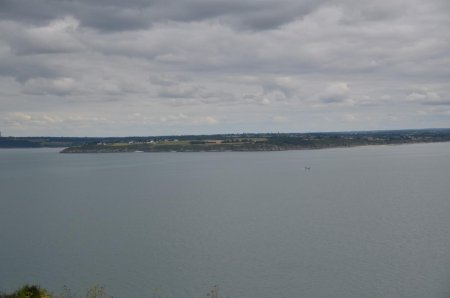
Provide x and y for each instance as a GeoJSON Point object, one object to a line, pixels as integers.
{"type": "Point", "coordinates": [262, 142]}
{"type": "Point", "coordinates": [34, 291]}
{"type": "Point", "coordinates": [95, 291]}
{"type": "Point", "coordinates": [28, 291]}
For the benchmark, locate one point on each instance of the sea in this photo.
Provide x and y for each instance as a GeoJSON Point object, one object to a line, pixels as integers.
{"type": "Point", "coordinates": [357, 222]}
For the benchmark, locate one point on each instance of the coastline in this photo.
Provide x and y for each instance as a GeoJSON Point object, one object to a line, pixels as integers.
{"type": "Point", "coordinates": [81, 149]}
{"type": "Point", "coordinates": [245, 142]}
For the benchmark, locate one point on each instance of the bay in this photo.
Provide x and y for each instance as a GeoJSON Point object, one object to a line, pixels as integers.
{"type": "Point", "coordinates": [362, 222]}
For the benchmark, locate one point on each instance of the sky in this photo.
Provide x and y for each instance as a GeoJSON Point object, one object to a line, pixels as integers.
{"type": "Point", "coordinates": [159, 67]}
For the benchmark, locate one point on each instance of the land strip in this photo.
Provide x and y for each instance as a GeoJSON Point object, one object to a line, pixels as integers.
{"type": "Point", "coordinates": [229, 142]}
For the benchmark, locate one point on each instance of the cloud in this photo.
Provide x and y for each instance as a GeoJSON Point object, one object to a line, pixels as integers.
{"type": "Point", "coordinates": [22, 119]}
{"type": "Point", "coordinates": [428, 97]}
{"type": "Point", "coordinates": [58, 36]}
{"type": "Point", "coordinates": [335, 93]}
{"type": "Point", "coordinates": [179, 91]}
{"type": "Point", "coordinates": [265, 98]}
{"type": "Point", "coordinates": [350, 118]}
{"type": "Point", "coordinates": [280, 119]}
{"type": "Point", "coordinates": [61, 86]}
{"type": "Point", "coordinates": [242, 63]}
{"type": "Point", "coordinates": [137, 14]}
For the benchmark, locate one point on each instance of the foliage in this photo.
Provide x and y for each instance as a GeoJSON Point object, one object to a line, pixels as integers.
{"type": "Point", "coordinates": [95, 291]}
{"type": "Point", "coordinates": [28, 291]}
{"type": "Point", "coordinates": [34, 291]}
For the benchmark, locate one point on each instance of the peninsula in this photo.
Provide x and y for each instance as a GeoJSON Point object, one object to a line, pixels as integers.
{"type": "Point", "coordinates": [259, 141]}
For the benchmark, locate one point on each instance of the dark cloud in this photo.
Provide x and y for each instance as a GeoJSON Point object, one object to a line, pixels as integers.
{"type": "Point", "coordinates": [118, 15]}
{"type": "Point", "coordinates": [136, 14]}
{"type": "Point", "coordinates": [24, 69]}
{"type": "Point", "coordinates": [253, 15]}
{"type": "Point", "coordinates": [98, 14]}
{"type": "Point", "coordinates": [35, 12]}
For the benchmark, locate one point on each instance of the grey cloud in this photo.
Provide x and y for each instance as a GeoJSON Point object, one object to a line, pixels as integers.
{"type": "Point", "coordinates": [168, 79]}
{"type": "Point", "coordinates": [178, 91]}
{"type": "Point", "coordinates": [334, 93]}
{"type": "Point", "coordinates": [112, 19]}
{"type": "Point", "coordinates": [287, 85]}
{"type": "Point", "coordinates": [371, 11]}
{"type": "Point", "coordinates": [61, 86]}
{"type": "Point", "coordinates": [438, 103]}
{"type": "Point", "coordinates": [248, 60]}
{"type": "Point", "coordinates": [428, 97]}
{"type": "Point", "coordinates": [58, 36]}
{"type": "Point", "coordinates": [136, 14]}
{"type": "Point", "coordinates": [332, 99]}
{"type": "Point", "coordinates": [24, 69]}
{"type": "Point", "coordinates": [251, 14]}
{"type": "Point", "coordinates": [104, 15]}
{"type": "Point", "coordinates": [264, 98]}
{"type": "Point", "coordinates": [254, 15]}
{"type": "Point", "coordinates": [182, 94]}
{"type": "Point", "coordinates": [35, 12]}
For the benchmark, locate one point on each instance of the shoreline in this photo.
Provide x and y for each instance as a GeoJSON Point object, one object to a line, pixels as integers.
{"type": "Point", "coordinates": [244, 142]}
{"type": "Point", "coordinates": [277, 149]}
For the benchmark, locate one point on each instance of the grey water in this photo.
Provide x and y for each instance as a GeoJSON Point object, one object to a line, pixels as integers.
{"type": "Point", "coordinates": [362, 222]}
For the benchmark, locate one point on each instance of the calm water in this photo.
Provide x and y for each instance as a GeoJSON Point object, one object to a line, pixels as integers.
{"type": "Point", "coordinates": [363, 222]}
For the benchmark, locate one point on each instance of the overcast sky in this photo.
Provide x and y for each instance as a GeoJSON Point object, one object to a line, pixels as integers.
{"type": "Point", "coordinates": [153, 67]}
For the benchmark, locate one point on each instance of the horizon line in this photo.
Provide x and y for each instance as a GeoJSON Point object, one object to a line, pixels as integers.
{"type": "Point", "coordinates": [242, 133]}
